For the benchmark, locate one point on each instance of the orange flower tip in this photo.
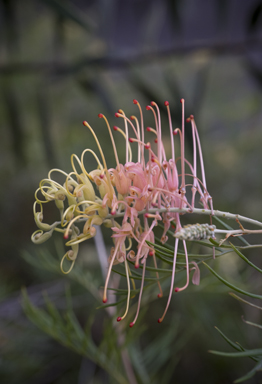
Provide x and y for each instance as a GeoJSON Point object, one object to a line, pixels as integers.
{"type": "Point", "coordinates": [131, 324]}
{"type": "Point", "coordinates": [148, 107]}
{"type": "Point", "coordinates": [135, 101]}
{"type": "Point", "coordinates": [136, 266]}
{"type": "Point", "coordinates": [115, 128]}
{"type": "Point", "coordinates": [100, 115]}
{"type": "Point", "coordinates": [119, 318]}
{"type": "Point", "coordinates": [131, 140]}
{"type": "Point", "coordinates": [113, 213]}
{"type": "Point", "coordinates": [117, 114]}
{"type": "Point", "coordinates": [151, 253]}
{"type": "Point", "coordinates": [160, 295]}
{"type": "Point", "coordinates": [177, 289]}
{"type": "Point", "coordinates": [182, 100]}
{"type": "Point", "coordinates": [155, 141]}
{"type": "Point", "coordinates": [159, 321]}
{"type": "Point", "coordinates": [166, 103]}
{"type": "Point", "coordinates": [84, 123]}
{"type": "Point", "coordinates": [65, 236]}
{"type": "Point", "coordinates": [175, 132]}
{"type": "Point", "coordinates": [119, 111]}
{"type": "Point", "coordinates": [104, 301]}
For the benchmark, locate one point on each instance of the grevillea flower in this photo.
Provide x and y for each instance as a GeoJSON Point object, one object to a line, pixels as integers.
{"type": "Point", "coordinates": [131, 198]}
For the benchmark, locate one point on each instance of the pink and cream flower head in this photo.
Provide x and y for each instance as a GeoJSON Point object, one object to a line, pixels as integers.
{"type": "Point", "coordinates": [131, 198]}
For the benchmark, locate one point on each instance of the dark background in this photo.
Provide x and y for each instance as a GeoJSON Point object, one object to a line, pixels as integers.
{"type": "Point", "coordinates": [62, 62]}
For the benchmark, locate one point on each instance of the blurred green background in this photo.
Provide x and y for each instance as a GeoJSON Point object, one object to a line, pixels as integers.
{"type": "Point", "coordinates": [62, 62]}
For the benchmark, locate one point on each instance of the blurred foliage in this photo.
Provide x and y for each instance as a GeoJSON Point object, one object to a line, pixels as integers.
{"type": "Point", "coordinates": [62, 62]}
{"type": "Point", "coordinates": [148, 363]}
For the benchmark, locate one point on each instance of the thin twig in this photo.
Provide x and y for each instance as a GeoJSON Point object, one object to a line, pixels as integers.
{"type": "Point", "coordinates": [58, 68]}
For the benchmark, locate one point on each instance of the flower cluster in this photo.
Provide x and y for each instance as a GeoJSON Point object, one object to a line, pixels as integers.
{"type": "Point", "coordinates": [131, 198]}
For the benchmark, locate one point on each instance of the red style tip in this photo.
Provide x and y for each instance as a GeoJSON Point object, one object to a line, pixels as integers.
{"type": "Point", "coordinates": [176, 289]}
{"type": "Point", "coordinates": [100, 115]}
{"type": "Point", "coordinates": [104, 301]}
{"type": "Point", "coordinates": [151, 253]}
{"type": "Point", "coordinates": [148, 129]}
{"type": "Point", "coordinates": [113, 213]}
{"type": "Point", "coordinates": [174, 132]}
{"type": "Point", "coordinates": [136, 266]}
{"type": "Point", "coordinates": [84, 123]}
{"type": "Point", "coordinates": [188, 120]}
{"type": "Point", "coordinates": [160, 295]}
{"type": "Point", "coordinates": [115, 128]}
{"type": "Point", "coordinates": [147, 146]}
{"type": "Point", "coordinates": [131, 140]}
{"type": "Point", "coordinates": [152, 103]}
{"type": "Point", "coordinates": [148, 107]}
{"type": "Point", "coordinates": [155, 141]}
{"type": "Point", "coordinates": [192, 117]}
{"type": "Point", "coordinates": [65, 237]}
{"type": "Point", "coordinates": [116, 114]}
{"type": "Point", "coordinates": [101, 176]}
{"type": "Point", "coordinates": [131, 324]}
{"type": "Point", "coordinates": [159, 321]}
{"type": "Point", "coordinates": [135, 101]}
{"type": "Point", "coordinates": [166, 103]}
{"type": "Point", "coordinates": [132, 117]}
{"type": "Point", "coordinates": [119, 318]}
{"type": "Point", "coordinates": [182, 100]}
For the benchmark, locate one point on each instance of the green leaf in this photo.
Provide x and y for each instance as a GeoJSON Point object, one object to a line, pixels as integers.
{"type": "Point", "coordinates": [170, 252]}
{"type": "Point", "coordinates": [257, 367]}
{"type": "Point", "coordinates": [52, 309]}
{"type": "Point", "coordinates": [252, 324]}
{"type": "Point", "coordinates": [217, 246]}
{"type": "Point", "coordinates": [230, 342]}
{"type": "Point", "coordinates": [246, 353]}
{"type": "Point", "coordinates": [245, 258]}
{"type": "Point", "coordinates": [231, 285]}
{"type": "Point", "coordinates": [159, 270]}
{"type": "Point", "coordinates": [136, 276]}
{"type": "Point", "coordinates": [244, 301]}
